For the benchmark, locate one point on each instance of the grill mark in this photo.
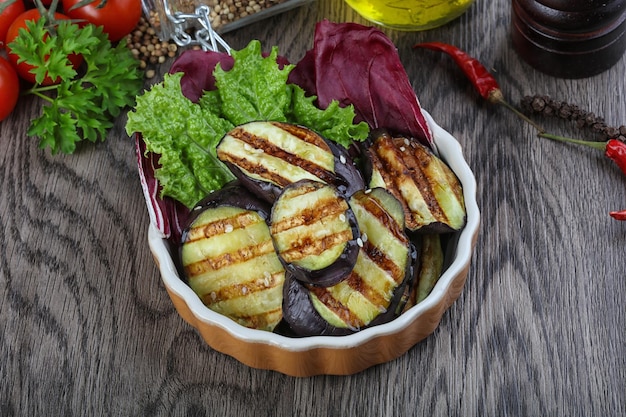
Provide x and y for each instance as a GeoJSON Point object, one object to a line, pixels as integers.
{"type": "Point", "coordinates": [375, 209]}
{"type": "Point", "coordinates": [242, 289]}
{"type": "Point", "coordinates": [308, 246]}
{"type": "Point", "coordinates": [301, 133]}
{"type": "Point", "coordinates": [344, 313]}
{"type": "Point", "coordinates": [261, 320]}
{"type": "Point", "coordinates": [218, 227]}
{"type": "Point", "coordinates": [358, 284]}
{"type": "Point", "coordinates": [269, 148]}
{"type": "Point", "coordinates": [255, 169]}
{"type": "Point", "coordinates": [424, 183]}
{"type": "Point", "coordinates": [229, 258]}
{"type": "Point", "coordinates": [388, 173]}
{"type": "Point", "coordinates": [383, 261]}
{"type": "Point", "coordinates": [327, 207]}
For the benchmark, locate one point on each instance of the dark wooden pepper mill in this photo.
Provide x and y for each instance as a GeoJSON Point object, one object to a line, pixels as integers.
{"type": "Point", "coordinates": [569, 38]}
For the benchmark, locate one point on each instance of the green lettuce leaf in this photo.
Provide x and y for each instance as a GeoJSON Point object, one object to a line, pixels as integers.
{"type": "Point", "coordinates": [185, 136]}
{"type": "Point", "coordinates": [255, 88]}
{"type": "Point", "coordinates": [334, 122]}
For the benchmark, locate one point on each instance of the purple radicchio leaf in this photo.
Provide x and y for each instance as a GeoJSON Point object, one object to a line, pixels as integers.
{"type": "Point", "coordinates": [359, 65]}
{"type": "Point", "coordinates": [166, 214]}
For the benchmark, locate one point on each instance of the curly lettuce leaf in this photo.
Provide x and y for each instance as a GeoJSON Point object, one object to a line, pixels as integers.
{"type": "Point", "coordinates": [184, 134]}
{"type": "Point", "coordinates": [334, 122]}
{"type": "Point", "coordinates": [255, 88]}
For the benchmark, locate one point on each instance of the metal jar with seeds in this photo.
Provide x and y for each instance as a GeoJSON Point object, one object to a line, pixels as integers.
{"type": "Point", "coordinates": [224, 15]}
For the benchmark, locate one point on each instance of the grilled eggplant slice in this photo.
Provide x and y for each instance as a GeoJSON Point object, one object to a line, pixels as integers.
{"type": "Point", "coordinates": [315, 232]}
{"type": "Point", "coordinates": [429, 191]}
{"type": "Point", "coordinates": [371, 294]}
{"type": "Point", "coordinates": [229, 259]}
{"type": "Point", "coordinates": [268, 156]}
{"type": "Point", "coordinates": [429, 270]}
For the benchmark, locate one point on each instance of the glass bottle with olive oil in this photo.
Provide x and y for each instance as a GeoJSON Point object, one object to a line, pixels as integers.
{"type": "Point", "coordinates": [410, 14]}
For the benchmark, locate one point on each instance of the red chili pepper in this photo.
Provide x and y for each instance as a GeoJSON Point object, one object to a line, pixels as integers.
{"type": "Point", "coordinates": [618, 215]}
{"type": "Point", "coordinates": [483, 81]}
{"type": "Point", "coordinates": [616, 150]}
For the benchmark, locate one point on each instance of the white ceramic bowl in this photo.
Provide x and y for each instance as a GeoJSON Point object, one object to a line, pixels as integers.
{"type": "Point", "coordinates": [336, 355]}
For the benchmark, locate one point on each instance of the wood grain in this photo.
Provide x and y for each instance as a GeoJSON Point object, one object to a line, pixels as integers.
{"type": "Point", "coordinates": [86, 327]}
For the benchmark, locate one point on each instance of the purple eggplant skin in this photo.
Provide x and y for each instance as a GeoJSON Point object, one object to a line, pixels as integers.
{"type": "Point", "coordinates": [349, 177]}
{"type": "Point", "coordinates": [300, 314]}
{"type": "Point", "coordinates": [332, 274]}
{"type": "Point", "coordinates": [266, 190]}
{"type": "Point", "coordinates": [341, 267]}
{"type": "Point", "coordinates": [366, 166]}
{"type": "Point", "coordinates": [233, 194]}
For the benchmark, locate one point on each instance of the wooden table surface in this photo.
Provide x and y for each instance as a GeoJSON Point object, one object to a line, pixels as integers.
{"type": "Point", "coordinates": [87, 329]}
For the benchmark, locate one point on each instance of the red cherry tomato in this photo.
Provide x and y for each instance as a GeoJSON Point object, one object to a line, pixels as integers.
{"type": "Point", "coordinates": [117, 17]}
{"type": "Point", "coordinates": [9, 88]}
{"type": "Point", "coordinates": [23, 69]}
{"type": "Point", "coordinates": [8, 16]}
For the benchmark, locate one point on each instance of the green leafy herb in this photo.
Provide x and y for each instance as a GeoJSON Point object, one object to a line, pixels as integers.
{"type": "Point", "coordinates": [254, 89]}
{"type": "Point", "coordinates": [84, 103]}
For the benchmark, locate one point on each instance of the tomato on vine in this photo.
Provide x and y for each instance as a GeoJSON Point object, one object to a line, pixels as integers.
{"type": "Point", "coordinates": [117, 17]}
{"type": "Point", "coordinates": [27, 71]}
{"type": "Point", "coordinates": [9, 88]}
{"type": "Point", "coordinates": [8, 15]}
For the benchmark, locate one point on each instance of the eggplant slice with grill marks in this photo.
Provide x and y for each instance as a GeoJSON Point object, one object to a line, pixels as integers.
{"type": "Point", "coordinates": [376, 288]}
{"type": "Point", "coordinates": [429, 269]}
{"type": "Point", "coordinates": [315, 232]}
{"type": "Point", "coordinates": [267, 156]}
{"type": "Point", "coordinates": [431, 194]}
{"type": "Point", "coordinates": [229, 259]}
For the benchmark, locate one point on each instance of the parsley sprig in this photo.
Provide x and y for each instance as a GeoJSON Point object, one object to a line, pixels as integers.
{"type": "Point", "coordinates": [84, 103]}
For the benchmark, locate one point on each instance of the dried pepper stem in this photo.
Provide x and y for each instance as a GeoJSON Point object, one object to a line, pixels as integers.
{"type": "Point", "coordinates": [591, 144]}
